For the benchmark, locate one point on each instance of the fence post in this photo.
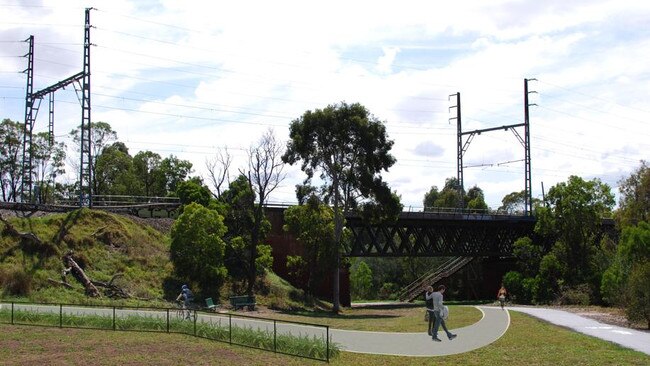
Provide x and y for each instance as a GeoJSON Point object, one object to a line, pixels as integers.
{"type": "Point", "coordinates": [327, 342]}
{"type": "Point", "coordinates": [195, 315]}
{"type": "Point", "coordinates": [230, 328]}
{"type": "Point", "coordinates": [113, 317]}
{"type": "Point", "coordinates": [275, 331]}
{"type": "Point", "coordinates": [167, 320]}
{"type": "Point", "coordinates": [12, 313]}
{"type": "Point", "coordinates": [60, 315]}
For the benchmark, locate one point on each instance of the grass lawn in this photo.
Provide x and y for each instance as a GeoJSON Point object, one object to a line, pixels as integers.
{"type": "Point", "coordinates": [405, 319]}
{"type": "Point", "coordinates": [527, 342]}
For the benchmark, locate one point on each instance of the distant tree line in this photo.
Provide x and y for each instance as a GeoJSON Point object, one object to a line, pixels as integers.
{"type": "Point", "coordinates": [115, 171]}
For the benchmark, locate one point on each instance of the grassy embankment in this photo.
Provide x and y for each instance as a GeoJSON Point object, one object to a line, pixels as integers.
{"type": "Point", "coordinates": [103, 244]}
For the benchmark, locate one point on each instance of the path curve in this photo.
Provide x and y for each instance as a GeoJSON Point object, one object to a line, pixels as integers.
{"type": "Point", "coordinates": [491, 327]}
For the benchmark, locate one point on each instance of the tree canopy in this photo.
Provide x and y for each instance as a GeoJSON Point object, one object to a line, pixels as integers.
{"type": "Point", "coordinates": [634, 201]}
{"type": "Point", "coordinates": [349, 148]}
{"type": "Point", "coordinates": [197, 247]}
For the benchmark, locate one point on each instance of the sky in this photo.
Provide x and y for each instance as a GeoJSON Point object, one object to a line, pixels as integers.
{"type": "Point", "coordinates": [190, 78]}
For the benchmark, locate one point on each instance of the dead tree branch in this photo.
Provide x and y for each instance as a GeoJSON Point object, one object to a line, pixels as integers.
{"type": "Point", "coordinates": [80, 275]}
{"type": "Point", "coordinates": [64, 284]}
{"type": "Point", "coordinates": [11, 230]}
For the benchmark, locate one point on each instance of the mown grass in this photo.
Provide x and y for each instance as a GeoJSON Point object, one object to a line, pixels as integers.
{"type": "Point", "coordinates": [303, 346]}
{"type": "Point", "coordinates": [527, 342]}
{"type": "Point", "coordinates": [404, 319]}
{"type": "Point", "coordinates": [23, 345]}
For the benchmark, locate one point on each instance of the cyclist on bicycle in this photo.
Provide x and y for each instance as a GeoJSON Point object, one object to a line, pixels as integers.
{"type": "Point", "coordinates": [187, 297]}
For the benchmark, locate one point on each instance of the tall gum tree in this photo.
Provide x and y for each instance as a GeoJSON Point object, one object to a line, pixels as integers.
{"type": "Point", "coordinates": [348, 147]}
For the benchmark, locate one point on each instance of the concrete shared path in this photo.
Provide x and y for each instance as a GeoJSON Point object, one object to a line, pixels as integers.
{"type": "Point", "coordinates": [491, 327]}
{"type": "Point", "coordinates": [629, 338]}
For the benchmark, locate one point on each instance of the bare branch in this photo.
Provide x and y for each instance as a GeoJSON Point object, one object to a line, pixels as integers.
{"type": "Point", "coordinates": [265, 166]}
{"type": "Point", "coordinates": [219, 170]}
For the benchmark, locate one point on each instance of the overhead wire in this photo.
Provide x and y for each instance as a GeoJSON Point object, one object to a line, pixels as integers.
{"type": "Point", "coordinates": [262, 114]}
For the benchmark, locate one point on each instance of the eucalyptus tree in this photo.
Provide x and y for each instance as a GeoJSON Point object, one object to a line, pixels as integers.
{"type": "Point", "coordinates": [49, 162]}
{"type": "Point", "coordinates": [348, 147]}
{"type": "Point", "coordinates": [634, 202]}
{"type": "Point", "coordinates": [102, 136]}
{"type": "Point", "coordinates": [11, 145]}
{"type": "Point", "coordinates": [147, 168]}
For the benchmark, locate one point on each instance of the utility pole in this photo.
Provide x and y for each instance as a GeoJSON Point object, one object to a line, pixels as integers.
{"type": "Point", "coordinates": [525, 141]}
{"type": "Point", "coordinates": [459, 146]}
{"type": "Point", "coordinates": [527, 169]}
{"type": "Point", "coordinates": [32, 103]}
{"type": "Point", "coordinates": [26, 182]}
{"type": "Point", "coordinates": [85, 168]}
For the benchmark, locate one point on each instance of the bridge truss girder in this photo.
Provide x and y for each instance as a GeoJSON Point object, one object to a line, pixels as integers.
{"type": "Point", "coordinates": [442, 237]}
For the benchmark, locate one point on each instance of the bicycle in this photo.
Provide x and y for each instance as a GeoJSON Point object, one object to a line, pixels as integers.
{"type": "Point", "coordinates": [183, 312]}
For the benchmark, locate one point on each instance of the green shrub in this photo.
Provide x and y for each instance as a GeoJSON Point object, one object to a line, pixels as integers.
{"type": "Point", "coordinates": [15, 281]}
{"type": "Point", "coordinates": [388, 291]}
{"type": "Point", "coordinates": [638, 294]}
{"type": "Point", "coordinates": [574, 295]}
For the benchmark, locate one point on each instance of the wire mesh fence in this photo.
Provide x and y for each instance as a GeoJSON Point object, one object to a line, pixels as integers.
{"type": "Point", "coordinates": [292, 338]}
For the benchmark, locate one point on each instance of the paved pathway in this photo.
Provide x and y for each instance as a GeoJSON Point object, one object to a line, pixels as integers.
{"type": "Point", "coordinates": [491, 327]}
{"type": "Point", "coordinates": [629, 338]}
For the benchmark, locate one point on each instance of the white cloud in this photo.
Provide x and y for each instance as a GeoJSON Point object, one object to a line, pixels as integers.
{"type": "Point", "coordinates": [185, 79]}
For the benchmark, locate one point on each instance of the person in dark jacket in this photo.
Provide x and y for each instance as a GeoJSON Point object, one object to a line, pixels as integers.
{"type": "Point", "coordinates": [186, 296]}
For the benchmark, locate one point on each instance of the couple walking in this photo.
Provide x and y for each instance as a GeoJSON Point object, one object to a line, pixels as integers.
{"type": "Point", "coordinates": [437, 312]}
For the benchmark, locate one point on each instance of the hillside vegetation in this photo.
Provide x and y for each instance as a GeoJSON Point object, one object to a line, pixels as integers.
{"type": "Point", "coordinates": [103, 244]}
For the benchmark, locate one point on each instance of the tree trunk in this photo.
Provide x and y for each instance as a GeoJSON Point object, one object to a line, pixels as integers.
{"type": "Point", "coordinates": [255, 234]}
{"type": "Point", "coordinates": [338, 229]}
{"type": "Point", "coordinates": [80, 275]}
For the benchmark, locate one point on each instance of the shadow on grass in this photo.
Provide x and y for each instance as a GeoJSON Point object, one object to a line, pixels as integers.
{"type": "Point", "coordinates": [327, 314]}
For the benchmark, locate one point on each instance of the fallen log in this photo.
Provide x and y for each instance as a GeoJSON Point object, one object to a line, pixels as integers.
{"type": "Point", "coordinates": [64, 284]}
{"type": "Point", "coordinates": [80, 275]}
{"type": "Point", "coordinates": [113, 291]}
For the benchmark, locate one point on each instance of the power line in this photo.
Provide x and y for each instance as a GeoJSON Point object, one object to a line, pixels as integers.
{"type": "Point", "coordinates": [593, 97]}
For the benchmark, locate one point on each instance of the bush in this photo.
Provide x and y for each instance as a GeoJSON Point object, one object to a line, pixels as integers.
{"type": "Point", "coordinates": [15, 281]}
{"type": "Point", "coordinates": [388, 291]}
{"type": "Point", "coordinates": [361, 281]}
{"type": "Point", "coordinates": [514, 284]}
{"type": "Point", "coordinates": [574, 295]}
{"type": "Point", "coordinates": [638, 294]}
{"type": "Point", "coordinates": [197, 247]}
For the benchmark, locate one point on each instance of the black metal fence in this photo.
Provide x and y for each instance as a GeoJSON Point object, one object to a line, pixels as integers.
{"type": "Point", "coordinates": [287, 337]}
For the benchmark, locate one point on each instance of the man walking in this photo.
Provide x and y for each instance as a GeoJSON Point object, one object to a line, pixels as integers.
{"type": "Point", "coordinates": [437, 313]}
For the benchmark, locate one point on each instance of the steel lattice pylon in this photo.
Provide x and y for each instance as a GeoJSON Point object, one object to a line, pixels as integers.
{"type": "Point", "coordinates": [32, 103]}
{"type": "Point", "coordinates": [85, 169]}
{"type": "Point", "coordinates": [27, 169]}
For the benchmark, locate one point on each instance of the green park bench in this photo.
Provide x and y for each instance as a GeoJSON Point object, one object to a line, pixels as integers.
{"type": "Point", "coordinates": [242, 301]}
{"type": "Point", "coordinates": [210, 305]}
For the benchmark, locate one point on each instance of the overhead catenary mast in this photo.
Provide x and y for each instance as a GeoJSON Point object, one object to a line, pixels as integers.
{"type": "Point", "coordinates": [81, 81]}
